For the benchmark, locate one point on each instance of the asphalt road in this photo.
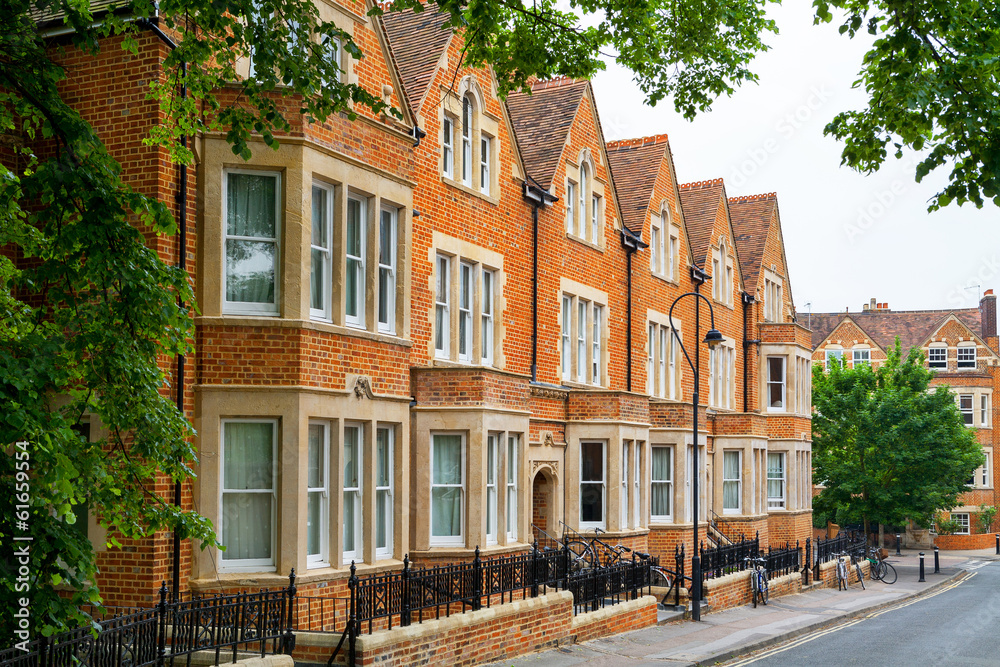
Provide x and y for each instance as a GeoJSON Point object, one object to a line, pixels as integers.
{"type": "Point", "coordinates": [957, 625]}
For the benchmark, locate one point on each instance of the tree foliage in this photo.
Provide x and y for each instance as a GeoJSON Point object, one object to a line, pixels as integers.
{"type": "Point", "coordinates": [886, 447]}
{"type": "Point", "coordinates": [932, 78]}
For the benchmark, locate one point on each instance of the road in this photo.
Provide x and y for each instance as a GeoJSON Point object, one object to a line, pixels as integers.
{"type": "Point", "coordinates": [957, 625]}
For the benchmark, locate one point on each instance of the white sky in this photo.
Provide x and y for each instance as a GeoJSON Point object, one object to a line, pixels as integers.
{"type": "Point", "coordinates": [848, 237]}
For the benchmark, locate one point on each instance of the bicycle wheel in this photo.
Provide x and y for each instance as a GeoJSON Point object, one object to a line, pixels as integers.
{"type": "Point", "coordinates": [754, 588]}
{"type": "Point", "coordinates": [581, 555]}
{"type": "Point", "coordinates": [841, 576]}
{"type": "Point", "coordinates": [861, 575]}
{"type": "Point", "coordinates": [762, 585]}
{"type": "Point", "coordinates": [888, 573]}
{"type": "Point", "coordinates": [659, 578]}
{"type": "Point", "coordinates": [873, 570]}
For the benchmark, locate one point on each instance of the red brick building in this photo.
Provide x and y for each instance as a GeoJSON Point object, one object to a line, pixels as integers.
{"type": "Point", "coordinates": [425, 335]}
{"type": "Point", "coordinates": [961, 346]}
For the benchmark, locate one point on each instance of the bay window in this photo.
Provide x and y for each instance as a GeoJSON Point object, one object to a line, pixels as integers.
{"type": "Point", "coordinates": [570, 206]}
{"type": "Point", "coordinates": [318, 498]}
{"type": "Point", "coordinates": [512, 457]}
{"type": "Point", "coordinates": [661, 501]}
{"type": "Point", "coordinates": [384, 444]}
{"type": "Point", "coordinates": [595, 219]}
{"type": "Point", "coordinates": [673, 257]}
{"type": "Point", "coordinates": [249, 494]}
{"type": "Point", "coordinates": [984, 410]}
{"type": "Point", "coordinates": [484, 165]}
{"type": "Point", "coordinates": [732, 482]}
{"type": "Point", "coordinates": [775, 480]}
{"type": "Point", "coordinates": [595, 343]}
{"type": "Point", "coordinates": [776, 384]}
{"type": "Point", "coordinates": [442, 307]}
{"type": "Point", "coordinates": [388, 225]}
{"type": "Point", "coordinates": [492, 461]}
{"type": "Point", "coordinates": [487, 318]}
{"type": "Point", "coordinates": [447, 489]}
{"type": "Point", "coordinates": [623, 499]}
{"type": "Point", "coordinates": [567, 314]}
{"type": "Point", "coordinates": [650, 359]}
{"type": "Point", "coordinates": [581, 220]}
{"type": "Point", "coordinates": [664, 333]}
{"type": "Point", "coordinates": [465, 311]}
{"type": "Point", "coordinates": [592, 484]}
{"type": "Point", "coordinates": [655, 250]}
{"type": "Point", "coordinates": [581, 341]}
{"type": "Point", "coordinates": [252, 212]}
{"type": "Point", "coordinates": [352, 515]}
{"type": "Point", "coordinates": [355, 259]}
{"type": "Point", "coordinates": [965, 407]}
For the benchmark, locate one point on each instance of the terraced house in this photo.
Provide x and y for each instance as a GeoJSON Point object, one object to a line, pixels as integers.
{"type": "Point", "coordinates": [961, 346]}
{"type": "Point", "coordinates": [423, 336]}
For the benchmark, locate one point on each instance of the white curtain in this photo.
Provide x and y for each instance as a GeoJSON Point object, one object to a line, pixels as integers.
{"type": "Point", "coordinates": [662, 478]}
{"type": "Point", "coordinates": [775, 475]}
{"type": "Point", "coordinates": [446, 494]}
{"type": "Point", "coordinates": [731, 480]}
{"type": "Point", "coordinates": [317, 476]}
{"type": "Point", "coordinates": [352, 483]}
{"type": "Point", "coordinates": [248, 486]}
{"type": "Point", "coordinates": [319, 255]}
{"type": "Point", "coordinates": [250, 212]}
{"type": "Point", "coordinates": [354, 279]}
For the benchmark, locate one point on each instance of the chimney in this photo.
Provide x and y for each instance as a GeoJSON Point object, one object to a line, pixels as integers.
{"type": "Point", "coordinates": [871, 304]}
{"type": "Point", "coordinates": [988, 314]}
{"type": "Point", "coordinates": [864, 308]}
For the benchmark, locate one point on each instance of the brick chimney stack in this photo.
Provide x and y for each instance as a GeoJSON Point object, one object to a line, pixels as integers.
{"type": "Point", "coordinates": [988, 314]}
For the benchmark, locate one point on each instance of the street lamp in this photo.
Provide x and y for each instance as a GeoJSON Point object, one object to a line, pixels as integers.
{"type": "Point", "coordinates": [712, 339]}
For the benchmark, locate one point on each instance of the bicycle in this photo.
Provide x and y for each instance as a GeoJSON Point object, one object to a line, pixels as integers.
{"type": "Point", "coordinates": [758, 579]}
{"type": "Point", "coordinates": [587, 552]}
{"type": "Point", "coordinates": [843, 580]}
{"type": "Point", "coordinates": [660, 577]}
{"type": "Point", "coordinates": [880, 569]}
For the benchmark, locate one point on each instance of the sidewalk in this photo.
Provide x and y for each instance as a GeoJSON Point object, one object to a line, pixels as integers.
{"type": "Point", "coordinates": [725, 634]}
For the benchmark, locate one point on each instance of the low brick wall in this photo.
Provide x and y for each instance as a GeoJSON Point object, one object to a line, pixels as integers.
{"type": "Point", "coordinates": [733, 590]}
{"type": "Point", "coordinates": [487, 635]}
{"type": "Point", "coordinates": [965, 542]}
{"type": "Point", "coordinates": [828, 573]}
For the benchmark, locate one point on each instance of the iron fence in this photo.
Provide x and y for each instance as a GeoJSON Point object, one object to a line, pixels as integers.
{"type": "Point", "coordinates": [827, 550]}
{"type": "Point", "coordinates": [783, 560]}
{"type": "Point", "coordinates": [259, 622]}
{"type": "Point", "coordinates": [727, 558]}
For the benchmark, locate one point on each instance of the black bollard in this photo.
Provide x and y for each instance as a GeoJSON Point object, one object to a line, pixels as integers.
{"type": "Point", "coordinates": [921, 567]}
{"type": "Point", "coordinates": [937, 563]}
{"type": "Point", "coordinates": [998, 544]}
{"type": "Point", "coordinates": [898, 541]}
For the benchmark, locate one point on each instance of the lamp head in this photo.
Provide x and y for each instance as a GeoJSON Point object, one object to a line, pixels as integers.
{"type": "Point", "coordinates": [713, 338]}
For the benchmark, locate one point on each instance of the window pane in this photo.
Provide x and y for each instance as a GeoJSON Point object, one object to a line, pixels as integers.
{"type": "Point", "coordinates": [382, 458]}
{"type": "Point", "coordinates": [447, 467]}
{"type": "Point", "coordinates": [250, 205]}
{"type": "Point", "coordinates": [731, 480]}
{"type": "Point", "coordinates": [350, 511]}
{"type": "Point", "coordinates": [250, 268]}
{"type": "Point", "coordinates": [352, 446]}
{"type": "Point", "coordinates": [246, 526]}
{"type": "Point", "coordinates": [314, 528]}
{"type": "Point", "coordinates": [316, 455]}
{"type": "Point", "coordinates": [248, 455]}
{"type": "Point", "coordinates": [447, 512]}
{"type": "Point", "coordinates": [592, 462]}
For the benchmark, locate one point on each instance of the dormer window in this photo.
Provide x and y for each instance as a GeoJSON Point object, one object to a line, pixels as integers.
{"type": "Point", "coordinates": [470, 163]}
{"type": "Point", "coordinates": [966, 355]}
{"type": "Point", "coordinates": [583, 202]}
{"type": "Point", "coordinates": [722, 275]}
{"type": "Point", "coordinates": [467, 140]}
{"type": "Point", "coordinates": [663, 242]}
{"type": "Point", "coordinates": [862, 355]}
{"type": "Point", "coordinates": [773, 304]}
{"type": "Point", "coordinates": [937, 357]}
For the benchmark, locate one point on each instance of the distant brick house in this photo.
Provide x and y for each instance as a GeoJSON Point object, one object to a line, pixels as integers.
{"type": "Point", "coordinates": [461, 340]}
{"type": "Point", "coordinates": [961, 346]}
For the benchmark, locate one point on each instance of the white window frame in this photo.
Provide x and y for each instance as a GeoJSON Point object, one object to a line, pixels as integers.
{"type": "Point", "coordinates": [967, 362]}
{"type": "Point", "coordinates": [779, 382]}
{"type": "Point", "coordinates": [962, 518]}
{"type": "Point", "coordinates": [601, 484]}
{"type": "Point", "coordinates": [250, 564]}
{"type": "Point", "coordinates": [651, 342]}
{"type": "Point", "coordinates": [442, 309]}
{"type": "Point", "coordinates": [567, 348]}
{"type": "Point", "coordinates": [492, 497]}
{"type": "Point", "coordinates": [485, 146]}
{"type": "Point", "coordinates": [673, 254]}
{"type": "Point", "coordinates": [595, 218]}
{"type": "Point", "coordinates": [984, 410]}
{"type": "Point", "coordinates": [623, 513]}
{"type": "Point", "coordinates": [663, 380]}
{"type": "Point", "coordinates": [597, 318]}
{"type": "Point", "coordinates": [512, 458]}
{"type": "Point", "coordinates": [467, 117]}
{"type": "Point", "coordinates": [570, 207]}
{"type": "Point", "coordinates": [451, 540]}
{"type": "Point", "coordinates": [738, 480]}
{"type": "Point", "coordinates": [322, 559]}
{"type": "Point", "coordinates": [987, 479]}
{"type": "Point", "coordinates": [466, 303]}
{"type": "Point", "coordinates": [249, 307]}
{"type": "Point", "coordinates": [777, 502]}
{"type": "Point", "coordinates": [832, 354]}
{"type": "Point", "coordinates": [674, 388]}
{"type": "Point", "coordinates": [636, 481]}
{"type": "Point", "coordinates": [861, 355]}
{"type": "Point", "coordinates": [389, 293]}
{"type": "Point", "coordinates": [581, 340]}
{"type": "Point", "coordinates": [581, 221]}
{"type": "Point", "coordinates": [488, 299]}
{"type": "Point", "coordinates": [361, 261]}
{"type": "Point", "coordinates": [387, 550]}
{"type": "Point", "coordinates": [655, 243]}
{"type": "Point", "coordinates": [325, 277]}
{"type": "Point", "coordinates": [448, 147]}
{"type": "Point", "coordinates": [668, 483]}
{"type": "Point", "coordinates": [357, 553]}
{"type": "Point", "coordinates": [937, 350]}
{"type": "Point", "coordinates": [968, 412]}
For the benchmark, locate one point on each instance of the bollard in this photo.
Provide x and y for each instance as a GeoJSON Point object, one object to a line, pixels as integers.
{"type": "Point", "coordinates": [937, 563]}
{"type": "Point", "coordinates": [998, 544]}
{"type": "Point", "coordinates": [921, 567]}
{"type": "Point", "coordinates": [897, 545]}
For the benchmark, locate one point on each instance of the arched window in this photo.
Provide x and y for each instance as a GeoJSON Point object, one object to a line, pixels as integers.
{"type": "Point", "coordinates": [467, 140]}
{"type": "Point", "coordinates": [469, 145]}
{"type": "Point", "coordinates": [581, 223]}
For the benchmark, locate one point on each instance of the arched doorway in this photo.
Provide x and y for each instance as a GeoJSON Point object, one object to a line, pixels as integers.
{"type": "Point", "coordinates": [543, 501]}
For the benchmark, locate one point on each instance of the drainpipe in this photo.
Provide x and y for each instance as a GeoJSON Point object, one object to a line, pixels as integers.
{"type": "Point", "coordinates": [748, 300]}
{"type": "Point", "coordinates": [181, 199]}
{"type": "Point", "coordinates": [631, 243]}
{"type": "Point", "coordinates": [537, 196]}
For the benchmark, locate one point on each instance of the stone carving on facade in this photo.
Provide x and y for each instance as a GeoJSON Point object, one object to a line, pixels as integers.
{"type": "Point", "coordinates": [535, 465]}
{"type": "Point", "coordinates": [363, 387]}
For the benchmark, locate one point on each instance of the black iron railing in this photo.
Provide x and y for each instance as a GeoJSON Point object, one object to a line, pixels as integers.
{"type": "Point", "coordinates": [727, 558]}
{"type": "Point", "coordinates": [256, 622]}
{"type": "Point", "coordinates": [783, 560]}
{"type": "Point", "coordinates": [827, 550]}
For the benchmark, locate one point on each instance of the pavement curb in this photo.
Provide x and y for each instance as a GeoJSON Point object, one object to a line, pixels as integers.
{"type": "Point", "coordinates": [824, 624]}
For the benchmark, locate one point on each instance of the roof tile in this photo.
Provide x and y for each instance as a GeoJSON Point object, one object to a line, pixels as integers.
{"type": "Point", "coordinates": [912, 326]}
{"type": "Point", "coordinates": [541, 122]}
{"type": "Point", "coordinates": [700, 203]}
{"type": "Point", "coordinates": [752, 216]}
{"type": "Point", "coordinates": [417, 41]}
{"type": "Point", "coordinates": [635, 164]}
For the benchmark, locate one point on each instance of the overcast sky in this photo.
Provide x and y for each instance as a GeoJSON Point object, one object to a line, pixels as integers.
{"type": "Point", "coordinates": [848, 237]}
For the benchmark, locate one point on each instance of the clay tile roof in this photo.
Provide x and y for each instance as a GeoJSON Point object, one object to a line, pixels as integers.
{"type": "Point", "coordinates": [635, 164]}
{"type": "Point", "coordinates": [912, 326]}
{"type": "Point", "coordinates": [700, 204]}
{"type": "Point", "coordinates": [417, 41]}
{"type": "Point", "coordinates": [752, 216]}
{"type": "Point", "coordinates": [541, 122]}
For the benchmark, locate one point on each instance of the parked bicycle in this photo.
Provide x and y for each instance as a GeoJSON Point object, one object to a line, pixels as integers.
{"type": "Point", "coordinates": [593, 552]}
{"type": "Point", "coordinates": [660, 577]}
{"type": "Point", "coordinates": [879, 568]}
{"type": "Point", "coordinates": [843, 571]}
{"type": "Point", "coordinates": [758, 579]}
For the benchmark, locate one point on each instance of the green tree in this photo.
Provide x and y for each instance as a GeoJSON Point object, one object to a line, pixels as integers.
{"type": "Point", "coordinates": [886, 447]}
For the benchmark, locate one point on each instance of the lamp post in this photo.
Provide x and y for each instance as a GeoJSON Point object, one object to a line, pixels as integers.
{"type": "Point", "coordinates": [712, 339]}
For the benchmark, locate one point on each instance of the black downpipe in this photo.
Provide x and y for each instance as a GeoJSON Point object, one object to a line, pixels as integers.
{"type": "Point", "coordinates": [746, 357]}
{"type": "Point", "coordinates": [182, 263]}
{"type": "Point", "coordinates": [628, 316]}
{"type": "Point", "coordinates": [534, 291]}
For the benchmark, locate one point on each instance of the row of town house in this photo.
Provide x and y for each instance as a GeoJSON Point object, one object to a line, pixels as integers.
{"type": "Point", "coordinates": [421, 336]}
{"type": "Point", "coordinates": [962, 348]}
